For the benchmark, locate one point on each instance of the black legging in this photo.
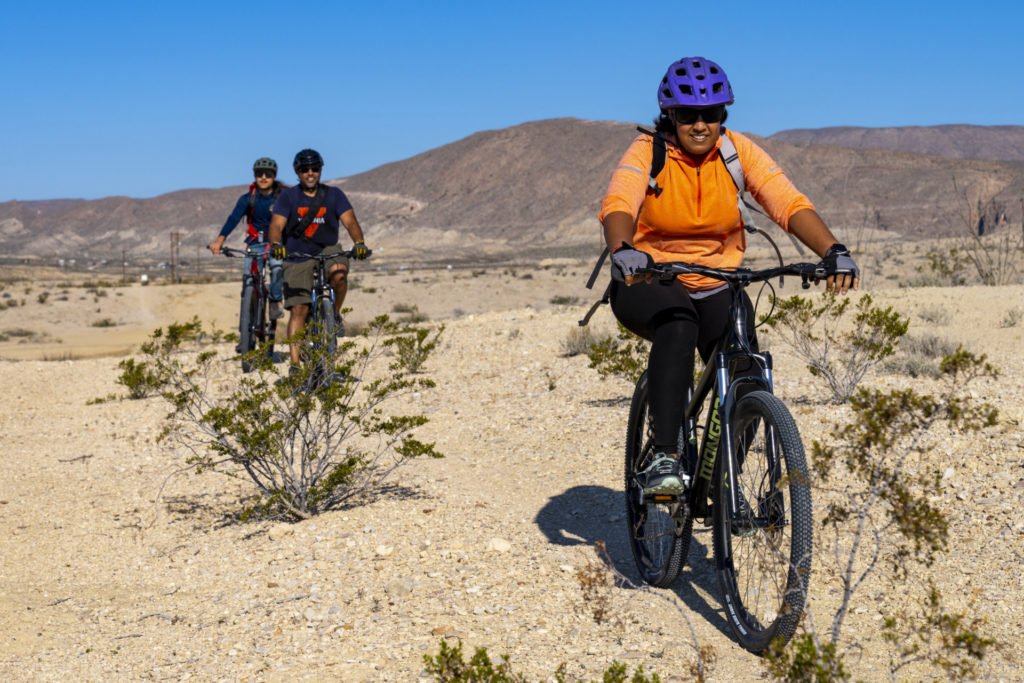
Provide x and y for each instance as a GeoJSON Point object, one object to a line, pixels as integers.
{"type": "Point", "coordinates": [676, 324]}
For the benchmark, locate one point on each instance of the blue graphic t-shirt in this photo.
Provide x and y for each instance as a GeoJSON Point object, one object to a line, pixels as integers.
{"type": "Point", "coordinates": [323, 231]}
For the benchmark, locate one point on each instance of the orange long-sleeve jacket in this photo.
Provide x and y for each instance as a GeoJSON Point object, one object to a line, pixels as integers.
{"type": "Point", "coordinates": [697, 218]}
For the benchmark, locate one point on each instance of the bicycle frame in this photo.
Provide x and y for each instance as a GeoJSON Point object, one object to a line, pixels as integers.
{"type": "Point", "coordinates": [257, 276]}
{"type": "Point", "coordinates": [718, 381]}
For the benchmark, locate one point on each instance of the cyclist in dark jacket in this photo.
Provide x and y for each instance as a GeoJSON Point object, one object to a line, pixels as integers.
{"type": "Point", "coordinates": [255, 206]}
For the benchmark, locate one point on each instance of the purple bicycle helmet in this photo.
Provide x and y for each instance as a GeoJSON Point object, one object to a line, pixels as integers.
{"type": "Point", "coordinates": [694, 82]}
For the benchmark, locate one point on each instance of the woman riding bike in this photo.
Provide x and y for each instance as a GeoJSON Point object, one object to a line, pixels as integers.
{"type": "Point", "coordinates": [692, 214]}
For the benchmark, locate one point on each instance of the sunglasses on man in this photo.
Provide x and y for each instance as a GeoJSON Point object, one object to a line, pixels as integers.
{"type": "Point", "coordinates": [687, 116]}
{"type": "Point", "coordinates": [264, 174]}
{"type": "Point", "coordinates": [310, 169]}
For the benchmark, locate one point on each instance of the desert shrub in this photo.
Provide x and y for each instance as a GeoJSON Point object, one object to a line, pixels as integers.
{"type": "Point", "coordinates": [412, 347]}
{"type": "Point", "coordinates": [919, 355]}
{"type": "Point", "coordinates": [1012, 317]}
{"type": "Point", "coordinates": [886, 519]}
{"type": "Point", "coordinates": [580, 341]}
{"type": "Point", "coordinates": [319, 438]}
{"type": "Point", "coordinates": [562, 300]}
{"type": "Point", "coordinates": [449, 666]}
{"type": "Point", "coordinates": [936, 315]}
{"type": "Point", "coordinates": [104, 322]}
{"type": "Point", "coordinates": [139, 378]}
{"type": "Point", "coordinates": [944, 268]}
{"type": "Point", "coordinates": [624, 355]}
{"type": "Point", "coordinates": [410, 312]}
{"type": "Point", "coordinates": [841, 356]}
{"type": "Point", "coordinates": [43, 296]}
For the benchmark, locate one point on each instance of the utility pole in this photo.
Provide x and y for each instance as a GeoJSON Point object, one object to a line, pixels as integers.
{"type": "Point", "coordinates": [124, 266]}
{"type": "Point", "coordinates": [175, 254]}
{"type": "Point", "coordinates": [197, 263]}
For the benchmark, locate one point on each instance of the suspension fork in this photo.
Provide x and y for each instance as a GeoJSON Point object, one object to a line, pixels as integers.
{"type": "Point", "coordinates": [726, 452]}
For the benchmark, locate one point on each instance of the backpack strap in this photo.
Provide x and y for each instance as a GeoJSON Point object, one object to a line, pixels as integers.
{"type": "Point", "coordinates": [731, 159]}
{"type": "Point", "coordinates": [314, 208]}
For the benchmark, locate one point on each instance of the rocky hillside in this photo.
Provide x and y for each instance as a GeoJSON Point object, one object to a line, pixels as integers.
{"type": "Point", "coordinates": [536, 186]}
{"type": "Point", "coordinates": [996, 143]}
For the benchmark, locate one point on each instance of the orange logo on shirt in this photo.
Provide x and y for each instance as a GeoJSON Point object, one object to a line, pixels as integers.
{"type": "Point", "coordinates": [315, 224]}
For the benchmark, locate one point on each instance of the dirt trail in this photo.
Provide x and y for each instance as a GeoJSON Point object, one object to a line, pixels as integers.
{"type": "Point", "coordinates": [102, 580]}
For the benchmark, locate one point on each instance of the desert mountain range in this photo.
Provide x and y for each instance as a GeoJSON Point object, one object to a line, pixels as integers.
{"type": "Point", "coordinates": [537, 186]}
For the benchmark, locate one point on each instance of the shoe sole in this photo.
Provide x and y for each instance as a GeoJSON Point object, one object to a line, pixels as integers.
{"type": "Point", "coordinates": [665, 489]}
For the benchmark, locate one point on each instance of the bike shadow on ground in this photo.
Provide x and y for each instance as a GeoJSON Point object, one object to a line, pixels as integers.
{"type": "Point", "coordinates": [584, 515]}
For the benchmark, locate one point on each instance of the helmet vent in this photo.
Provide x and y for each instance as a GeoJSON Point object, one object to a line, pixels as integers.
{"type": "Point", "coordinates": [686, 90]}
{"type": "Point", "coordinates": [700, 77]}
{"type": "Point", "coordinates": [716, 88]}
{"type": "Point", "coordinates": [713, 70]}
{"type": "Point", "coordinates": [666, 92]}
{"type": "Point", "coordinates": [680, 72]}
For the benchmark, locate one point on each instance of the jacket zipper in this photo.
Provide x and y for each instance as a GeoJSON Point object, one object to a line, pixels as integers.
{"type": "Point", "coordinates": [699, 214]}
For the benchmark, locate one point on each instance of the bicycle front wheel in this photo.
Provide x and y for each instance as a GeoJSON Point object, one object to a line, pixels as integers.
{"type": "Point", "coordinates": [763, 554]}
{"type": "Point", "coordinates": [328, 326]}
{"type": "Point", "coordinates": [659, 534]}
{"type": "Point", "coordinates": [248, 320]}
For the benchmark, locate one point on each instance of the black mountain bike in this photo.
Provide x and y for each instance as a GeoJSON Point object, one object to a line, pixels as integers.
{"type": "Point", "coordinates": [324, 325]}
{"type": "Point", "coordinates": [748, 478]}
{"type": "Point", "coordinates": [255, 328]}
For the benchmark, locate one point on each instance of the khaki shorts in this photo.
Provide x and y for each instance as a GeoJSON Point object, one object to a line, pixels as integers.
{"type": "Point", "coordinates": [298, 277]}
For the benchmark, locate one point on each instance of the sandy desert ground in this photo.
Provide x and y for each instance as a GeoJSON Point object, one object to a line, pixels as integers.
{"type": "Point", "coordinates": [103, 577]}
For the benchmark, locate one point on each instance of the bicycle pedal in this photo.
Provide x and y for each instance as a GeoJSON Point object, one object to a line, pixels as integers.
{"type": "Point", "coordinates": [660, 498]}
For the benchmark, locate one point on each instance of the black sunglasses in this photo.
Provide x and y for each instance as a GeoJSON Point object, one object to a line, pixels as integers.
{"type": "Point", "coordinates": [687, 116]}
{"type": "Point", "coordinates": [307, 169]}
{"type": "Point", "coordinates": [261, 173]}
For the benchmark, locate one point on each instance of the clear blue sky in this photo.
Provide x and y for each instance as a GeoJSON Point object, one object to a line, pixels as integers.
{"type": "Point", "coordinates": [138, 99]}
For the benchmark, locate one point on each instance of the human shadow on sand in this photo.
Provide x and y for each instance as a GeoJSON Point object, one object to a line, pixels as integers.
{"type": "Point", "coordinates": [584, 515]}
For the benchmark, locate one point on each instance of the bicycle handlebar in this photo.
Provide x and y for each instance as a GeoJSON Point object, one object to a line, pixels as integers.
{"type": "Point", "coordinates": [251, 250]}
{"type": "Point", "coordinates": [742, 276]}
{"type": "Point", "coordinates": [347, 254]}
{"type": "Point", "coordinates": [739, 274]}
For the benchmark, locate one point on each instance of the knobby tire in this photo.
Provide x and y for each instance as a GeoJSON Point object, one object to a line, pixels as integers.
{"type": "Point", "coordinates": [763, 557]}
{"type": "Point", "coordinates": [248, 320]}
{"type": "Point", "coordinates": [659, 534]}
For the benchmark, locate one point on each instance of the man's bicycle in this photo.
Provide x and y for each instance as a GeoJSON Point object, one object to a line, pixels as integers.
{"type": "Point", "coordinates": [255, 327]}
{"type": "Point", "coordinates": [748, 478]}
{"type": "Point", "coordinates": [324, 325]}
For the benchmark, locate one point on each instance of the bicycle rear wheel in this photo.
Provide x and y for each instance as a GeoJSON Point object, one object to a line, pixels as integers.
{"type": "Point", "coordinates": [763, 555]}
{"type": "Point", "coordinates": [248, 324]}
{"type": "Point", "coordinates": [659, 534]}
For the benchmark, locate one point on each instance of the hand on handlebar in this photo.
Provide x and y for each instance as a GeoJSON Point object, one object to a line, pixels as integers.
{"type": "Point", "coordinates": [277, 251]}
{"type": "Point", "coordinates": [360, 251]}
{"type": "Point", "coordinates": [627, 263]}
{"type": "Point", "coordinates": [841, 272]}
{"type": "Point", "coordinates": [216, 245]}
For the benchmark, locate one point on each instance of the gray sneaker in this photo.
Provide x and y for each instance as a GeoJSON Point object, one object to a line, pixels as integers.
{"type": "Point", "coordinates": [276, 312]}
{"type": "Point", "coordinates": [662, 477]}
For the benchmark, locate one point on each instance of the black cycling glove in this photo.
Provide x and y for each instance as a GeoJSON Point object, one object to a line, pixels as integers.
{"type": "Point", "coordinates": [628, 261]}
{"type": "Point", "coordinates": [360, 251]}
{"type": "Point", "coordinates": [837, 261]}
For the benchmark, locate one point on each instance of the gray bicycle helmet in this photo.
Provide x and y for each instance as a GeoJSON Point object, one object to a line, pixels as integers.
{"type": "Point", "coordinates": [307, 157]}
{"type": "Point", "coordinates": [265, 164]}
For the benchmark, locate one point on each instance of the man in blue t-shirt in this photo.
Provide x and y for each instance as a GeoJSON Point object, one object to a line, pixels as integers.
{"type": "Point", "coordinates": [318, 235]}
